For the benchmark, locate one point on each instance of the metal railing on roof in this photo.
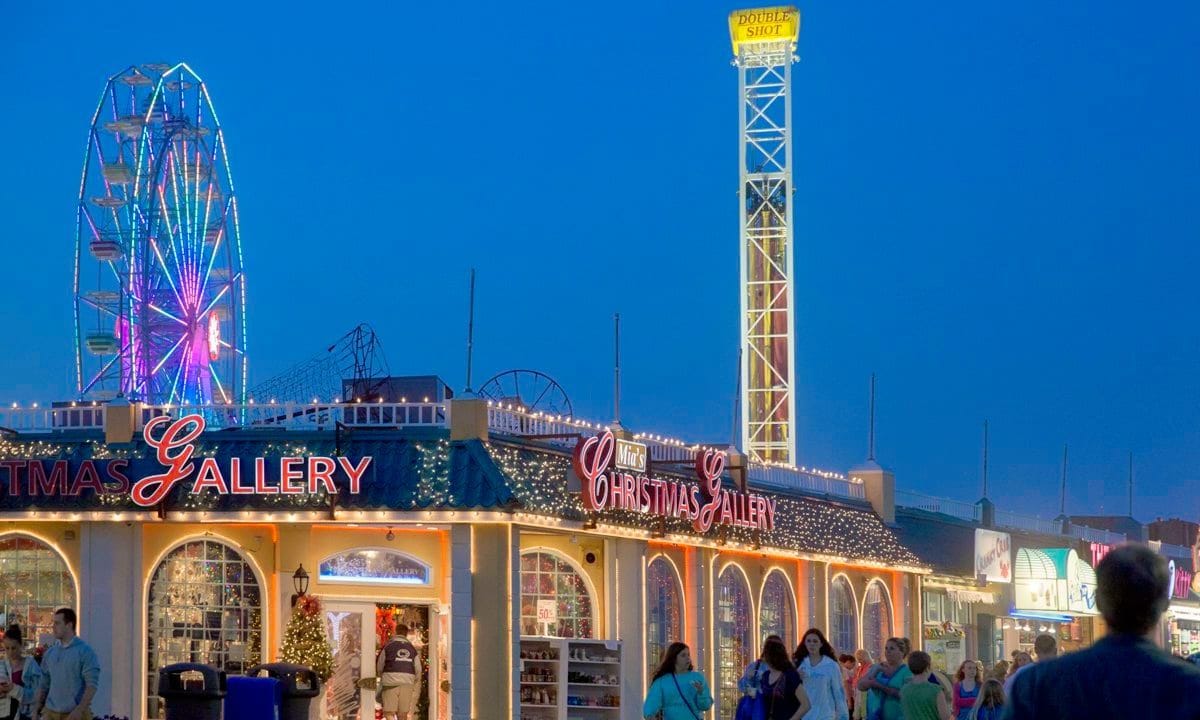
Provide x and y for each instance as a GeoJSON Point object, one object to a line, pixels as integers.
{"type": "Point", "coordinates": [564, 432]}
{"type": "Point", "coordinates": [1028, 523]}
{"type": "Point", "coordinates": [288, 416]}
{"type": "Point", "coordinates": [956, 508]}
{"type": "Point", "coordinates": [1097, 535]}
{"type": "Point", "coordinates": [43, 419]}
{"type": "Point", "coordinates": [1175, 551]}
{"type": "Point", "coordinates": [805, 481]}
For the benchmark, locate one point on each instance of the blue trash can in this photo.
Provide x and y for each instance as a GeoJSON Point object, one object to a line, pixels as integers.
{"type": "Point", "coordinates": [192, 691]}
{"type": "Point", "coordinates": [253, 698]}
{"type": "Point", "coordinates": [299, 684]}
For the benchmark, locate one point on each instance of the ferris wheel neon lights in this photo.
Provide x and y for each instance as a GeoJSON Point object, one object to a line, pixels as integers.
{"type": "Point", "coordinates": [159, 285]}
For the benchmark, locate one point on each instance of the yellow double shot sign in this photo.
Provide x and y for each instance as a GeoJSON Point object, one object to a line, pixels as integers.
{"type": "Point", "coordinates": [762, 25]}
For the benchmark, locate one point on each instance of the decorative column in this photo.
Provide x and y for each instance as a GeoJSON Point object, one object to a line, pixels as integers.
{"type": "Point", "coordinates": [628, 595]}
{"type": "Point", "coordinates": [460, 622]}
{"type": "Point", "coordinates": [112, 612]}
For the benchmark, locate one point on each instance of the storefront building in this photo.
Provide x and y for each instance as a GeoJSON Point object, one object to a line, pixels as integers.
{"type": "Point", "coordinates": [967, 590]}
{"type": "Point", "coordinates": [1180, 626]}
{"type": "Point", "coordinates": [541, 563]}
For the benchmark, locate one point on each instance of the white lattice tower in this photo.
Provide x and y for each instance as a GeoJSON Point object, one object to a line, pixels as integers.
{"type": "Point", "coordinates": [764, 46]}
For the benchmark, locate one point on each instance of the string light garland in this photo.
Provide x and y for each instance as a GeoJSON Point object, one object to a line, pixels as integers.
{"type": "Point", "coordinates": [806, 525]}
{"type": "Point", "coordinates": [453, 475]}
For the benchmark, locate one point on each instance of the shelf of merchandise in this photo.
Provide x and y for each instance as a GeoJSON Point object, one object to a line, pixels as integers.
{"type": "Point", "coordinates": [570, 657]}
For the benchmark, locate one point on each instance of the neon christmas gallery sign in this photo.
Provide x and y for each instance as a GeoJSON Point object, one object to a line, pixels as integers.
{"type": "Point", "coordinates": [175, 452]}
{"type": "Point", "coordinates": [607, 486]}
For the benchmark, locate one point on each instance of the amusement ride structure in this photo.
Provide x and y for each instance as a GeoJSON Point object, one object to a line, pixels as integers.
{"type": "Point", "coordinates": [159, 286]}
{"type": "Point", "coordinates": [764, 47]}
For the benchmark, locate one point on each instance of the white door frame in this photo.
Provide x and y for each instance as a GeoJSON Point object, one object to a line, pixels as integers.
{"type": "Point", "coordinates": [367, 610]}
{"type": "Point", "coordinates": [433, 659]}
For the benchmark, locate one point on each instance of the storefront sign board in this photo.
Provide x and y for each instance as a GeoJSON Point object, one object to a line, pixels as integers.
{"type": "Point", "coordinates": [173, 441]}
{"type": "Point", "coordinates": [630, 456]}
{"type": "Point", "coordinates": [1054, 580]}
{"type": "Point", "coordinates": [704, 504]}
{"type": "Point", "coordinates": [993, 555]}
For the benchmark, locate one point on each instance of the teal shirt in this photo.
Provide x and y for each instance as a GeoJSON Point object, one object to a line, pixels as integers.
{"type": "Point", "coordinates": [888, 707]}
{"type": "Point", "coordinates": [66, 671]}
{"type": "Point", "coordinates": [663, 696]}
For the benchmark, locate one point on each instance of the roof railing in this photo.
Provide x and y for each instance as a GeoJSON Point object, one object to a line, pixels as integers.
{"type": "Point", "coordinates": [287, 415]}
{"type": "Point", "coordinates": [946, 506]}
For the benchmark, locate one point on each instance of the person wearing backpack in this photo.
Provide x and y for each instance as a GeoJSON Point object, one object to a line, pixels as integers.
{"type": "Point", "coordinates": [677, 691]}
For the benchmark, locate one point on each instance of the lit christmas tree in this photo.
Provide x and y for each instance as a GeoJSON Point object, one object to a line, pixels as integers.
{"type": "Point", "coordinates": [304, 640]}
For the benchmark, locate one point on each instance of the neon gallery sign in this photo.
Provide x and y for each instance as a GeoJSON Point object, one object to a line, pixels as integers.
{"type": "Point", "coordinates": [608, 487]}
{"type": "Point", "coordinates": [174, 451]}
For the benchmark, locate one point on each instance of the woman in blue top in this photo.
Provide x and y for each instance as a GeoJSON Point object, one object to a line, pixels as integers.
{"type": "Point", "coordinates": [677, 690]}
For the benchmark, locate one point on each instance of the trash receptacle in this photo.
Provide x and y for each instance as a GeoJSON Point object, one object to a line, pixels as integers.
{"type": "Point", "coordinates": [192, 691]}
{"type": "Point", "coordinates": [299, 684]}
{"type": "Point", "coordinates": [253, 698]}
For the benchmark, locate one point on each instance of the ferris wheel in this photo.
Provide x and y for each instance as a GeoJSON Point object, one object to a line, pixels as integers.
{"type": "Point", "coordinates": [159, 287]}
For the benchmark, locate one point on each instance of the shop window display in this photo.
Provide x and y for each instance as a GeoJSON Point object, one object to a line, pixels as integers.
{"type": "Point", "coordinates": [548, 576]}
{"type": "Point", "coordinates": [34, 582]}
{"type": "Point", "coordinates": [877, 618]}
{"type": "Point", "coordinates": [664, 609]}
{"type": "Point", "coordinates": [843, 617]}
{"type": "Point", "coordinates": [205, 606]}
{"type": "Point", "coordinates": [734, 632]}
{"type": "Point", "coordinates": [777, 613]}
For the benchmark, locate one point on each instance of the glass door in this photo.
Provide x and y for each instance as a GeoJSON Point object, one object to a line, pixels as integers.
{"type": "Point", "coordinates": [350, 628]}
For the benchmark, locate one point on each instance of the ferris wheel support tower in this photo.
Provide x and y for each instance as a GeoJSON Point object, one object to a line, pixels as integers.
{"type": "Point", "coordinates": [764, 47]}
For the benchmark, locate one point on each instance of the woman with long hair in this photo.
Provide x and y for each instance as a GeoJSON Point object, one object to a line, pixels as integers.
{"type": "Point", "coordinates": [967, 682]}
{"type": "Point", "coordinates": [677, 690]}
{"type": "Point", "coordinates": [818, 667]}
{"type": "Point", "coordinates": [884, 680]}
{"type": "Point", "coordinates": [20, 676]}
{"type": "Point", "coordinates": [783, 691]}
{"type": "Point", "coordinates": [751, 680]}
{"type": "Point", "coordinates": [1000, 671]}
{"type": "Point", "coordinates": [990, 702]}
{"type": "Point", "coordinates": [1020, 660]}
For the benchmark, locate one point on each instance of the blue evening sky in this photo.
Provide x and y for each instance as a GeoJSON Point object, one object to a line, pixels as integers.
{"type": "Point", "coordinates": [996, 211]}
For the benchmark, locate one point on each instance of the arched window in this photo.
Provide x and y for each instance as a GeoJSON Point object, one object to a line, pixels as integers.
{"type": "Point", "coordinates": [547, 575]}
{"type": "Point", "coordinates": [843, 617]}
{"type": "Point", "coordinates": [877, 618]}
{"type": "Point", "coordinates": [373, 566]}
{"type": "Point", "coordinates": [34, 582]}
{"type": "Point", "coordinates": [735, 635]}
{"type": "Point", "coordinates": [664, 609]}
{"type": "Point", "coordinates": [777, 609]}
{"type": "Point", "coordinates": [204, 606]}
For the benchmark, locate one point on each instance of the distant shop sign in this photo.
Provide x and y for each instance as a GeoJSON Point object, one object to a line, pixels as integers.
{"type": "Point", "coordinates": [1054, 580]}
{"type": "Point", "coordinates": [607, 486]}
{"type": "Point", "coordinates": [993, 555]}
